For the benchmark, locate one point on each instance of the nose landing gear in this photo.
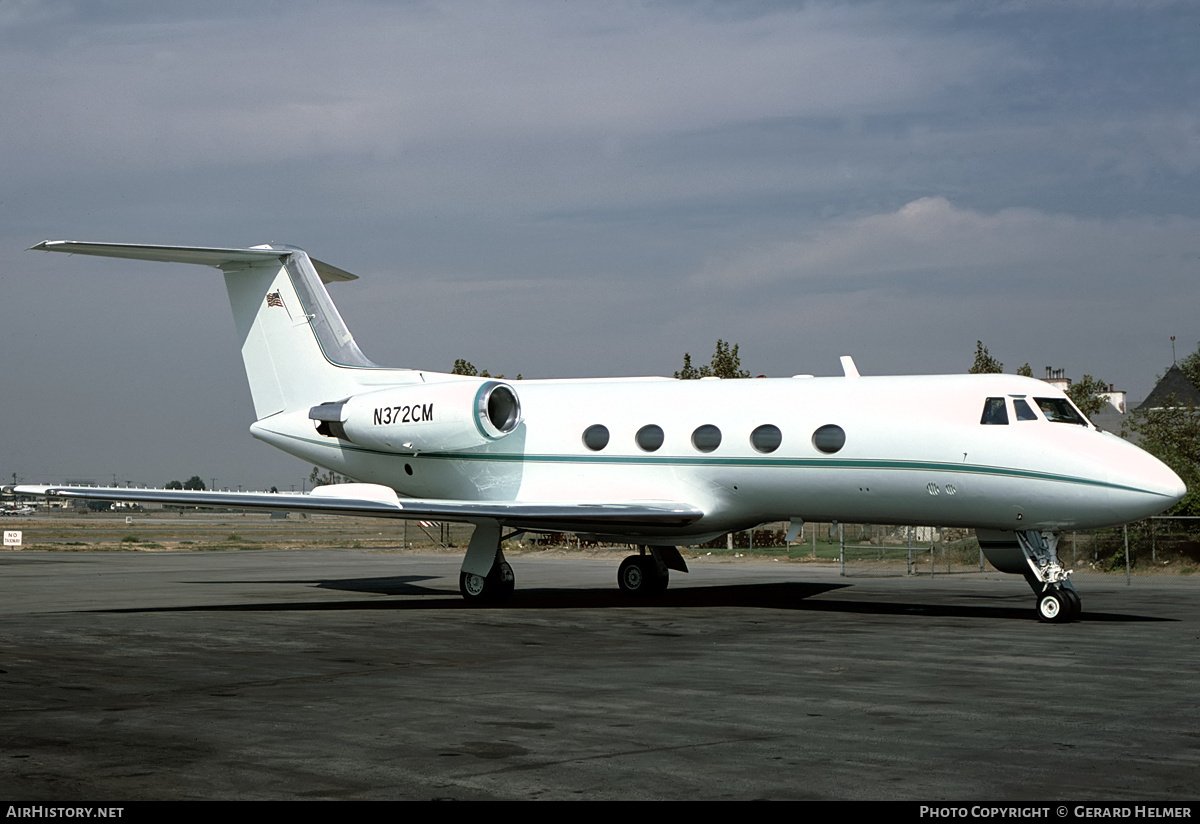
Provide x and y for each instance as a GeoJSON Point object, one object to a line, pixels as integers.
{"type": "Point", "coordinates": [1034, 555]}
{"type": "Point", "coordinates": [1058, 605]}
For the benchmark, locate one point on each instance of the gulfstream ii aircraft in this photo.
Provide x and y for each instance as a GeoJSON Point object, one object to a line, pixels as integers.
{"type": "Point", "coordinates": [655, 462]}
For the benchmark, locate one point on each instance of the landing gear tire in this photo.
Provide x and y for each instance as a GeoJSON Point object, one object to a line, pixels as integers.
{"type": "Point", "coordinates": [1075, 603]}
{"type": "Point", "coordinates": [641, 576]}
{"type": "Point", "coordinates": [1056, 606]}
{"type": "Point", "coordinates": [495, 588]}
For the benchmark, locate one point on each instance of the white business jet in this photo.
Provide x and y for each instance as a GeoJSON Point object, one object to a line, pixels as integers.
{"type": "Point", "coordinates": [655, 462]}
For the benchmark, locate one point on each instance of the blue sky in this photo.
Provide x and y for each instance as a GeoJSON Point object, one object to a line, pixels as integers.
{"type": "Point", "coordinates": [592, 189]}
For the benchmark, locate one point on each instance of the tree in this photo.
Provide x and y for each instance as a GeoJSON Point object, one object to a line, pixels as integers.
{"type": "Point", "coordinates": [194, 482]}
{"type": "Point", "coordinates": [1085, 394]}
{"type": "Point", "coordinates": [175, 485]}
{"type": "Point", "coordinates": [1025, 371]}
{"type": "Point", "coordinates": [1190, 366]}
{"type": "Point", "coordinates": [317, 479]}
{"type": "Point", "coordinates": [465, 367]}
{"type": "Point", "coordinates": [1171, 433]}
{"type": "Point", "coordinates": [984, 363]}
{"type": "Point", "coordinates": [691, 373]}
{"type": "Point", "coordinates": [725, 364]}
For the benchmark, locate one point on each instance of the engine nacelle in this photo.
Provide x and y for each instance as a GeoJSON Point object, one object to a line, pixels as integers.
{"type": "Point", "coordinates": [423, 417]}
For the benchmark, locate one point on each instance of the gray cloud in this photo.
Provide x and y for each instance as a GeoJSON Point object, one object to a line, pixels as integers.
{"type": "Point", "coordinates": [558, 189]}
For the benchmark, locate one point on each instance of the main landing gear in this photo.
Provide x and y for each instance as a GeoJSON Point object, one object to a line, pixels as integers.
{"type": "Point", "coordinates": [1035, 556]}
{"type": "Point", "coordinates": [486, 578]}
{"type": "Point", "coordinates": [494, 588]}
{"type": "Point", "coordinates": [648, 573]}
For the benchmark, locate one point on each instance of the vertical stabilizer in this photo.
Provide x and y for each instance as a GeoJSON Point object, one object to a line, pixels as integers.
{"type": "Point", "coordinates": [295, 346]}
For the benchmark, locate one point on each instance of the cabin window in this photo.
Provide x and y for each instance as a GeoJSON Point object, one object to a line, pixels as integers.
{"type": "Point", "coordinates": [1024, 413]}
{"type": "Point", "coordinates": [649, 437]}
{"type": "Point", "coordinates": [994, 412]}
{"type": "Point", "coordinates": [595, 437]}
{"type": "Point", "coordinates": [706, 438]}
{"type": "Point", "coordinates": [1060, 410]}
{"type": "Point", "coordinates": [829, 438]}
{"type": "Point", "coordinates": [766, 438]}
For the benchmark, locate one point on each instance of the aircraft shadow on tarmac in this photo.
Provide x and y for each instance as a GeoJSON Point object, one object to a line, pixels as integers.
{"type": "Point", "coordinates": [413, 594]}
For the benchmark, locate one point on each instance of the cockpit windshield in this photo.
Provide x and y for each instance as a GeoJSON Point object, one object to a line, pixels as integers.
{"type": "Point", "coordinates": [1060, 410]}
{"type": "Point", "coordinates": [994, 412]}
{"type": "Point", "coordinates": [1024, 413]}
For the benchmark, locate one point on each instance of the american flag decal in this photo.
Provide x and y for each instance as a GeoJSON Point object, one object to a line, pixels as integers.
{"type": "Point", "coordinates": [273, 299]}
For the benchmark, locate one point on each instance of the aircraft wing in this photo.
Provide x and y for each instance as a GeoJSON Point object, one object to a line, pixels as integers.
{"type": "Point", "coordinates": [382, 502]}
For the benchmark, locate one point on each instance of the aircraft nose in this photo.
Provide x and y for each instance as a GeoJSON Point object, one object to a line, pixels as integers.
{"type": "Point", "coordinates": [1154, 484]}
{"type": "Point", "coordinates": [1175, 487]}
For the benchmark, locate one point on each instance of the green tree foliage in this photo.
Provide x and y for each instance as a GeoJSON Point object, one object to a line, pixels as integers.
{"type": "Point", "coordinates": [1190, 366]}
{"type": "Point", "coordinates": [691, 373]}
{"type": "Point", "coordinates": [465, 367]}
{"type": "Point", "coordinates": [194, 482]}
{"type": "Point", "coordinates": [725, 364]}
{"type": "Point", "coordinates": [984, 363]}
{"type": "Point", "coordinates": [317, 479]}
{"type": "Point", "coordinates": [1085, 394]}
{"type": "Point", "coordinates": [1171, 433]}
{"type": "Point", "coordinates": [1025, 371]}
{"type": "Point", "coordinates": [175, 485]}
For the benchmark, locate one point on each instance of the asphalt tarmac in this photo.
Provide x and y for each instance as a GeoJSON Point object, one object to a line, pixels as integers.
{"type": "Point", "coordinates": [343, 674]}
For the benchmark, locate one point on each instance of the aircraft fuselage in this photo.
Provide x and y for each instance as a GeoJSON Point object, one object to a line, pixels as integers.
{"type": "Point", "coordinates": [914, 452]}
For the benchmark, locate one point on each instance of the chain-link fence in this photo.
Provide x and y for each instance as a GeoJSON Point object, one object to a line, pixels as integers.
{"type": "Point", "coordinates": [1163, 545]}
{"type": "Point", "coordinates": [864, 549]}
{"type": "Point", "coordinates": [1157, 546]}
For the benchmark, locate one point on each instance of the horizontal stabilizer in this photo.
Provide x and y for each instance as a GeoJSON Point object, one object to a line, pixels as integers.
{"type": "Point", "coordinates": [221, 258]}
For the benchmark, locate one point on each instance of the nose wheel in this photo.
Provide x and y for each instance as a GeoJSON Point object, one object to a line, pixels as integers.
{"type": "Point", "coordinates": [1034, 555]}
{"type": "Point", "coordinates": [1058, 605]}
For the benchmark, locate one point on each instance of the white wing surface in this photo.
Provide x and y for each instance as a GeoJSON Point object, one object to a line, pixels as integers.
{"type": "Point", "coordinates": [379, 501]}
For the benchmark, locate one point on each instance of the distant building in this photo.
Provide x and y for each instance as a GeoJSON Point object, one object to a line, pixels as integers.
{"type": "Point", "coordinates": [1059, 380]}
{"type": "Point", "coordinates": [1173, 390]}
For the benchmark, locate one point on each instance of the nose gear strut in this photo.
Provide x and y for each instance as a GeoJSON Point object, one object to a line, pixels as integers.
{"type": "Point", "coordinates": [1034, 555]}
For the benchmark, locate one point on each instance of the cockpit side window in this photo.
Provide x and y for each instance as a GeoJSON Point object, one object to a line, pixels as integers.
{"type": "Point", "coordinates": [1024, 413]}
{"type": "Point", "coordinates": [994, 412]}
{"type": "Point", "coordinates": [1060, 410]}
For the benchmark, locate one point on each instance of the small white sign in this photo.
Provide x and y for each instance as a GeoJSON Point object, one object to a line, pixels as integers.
{"type": "Point", "coordinates": [12, 537]}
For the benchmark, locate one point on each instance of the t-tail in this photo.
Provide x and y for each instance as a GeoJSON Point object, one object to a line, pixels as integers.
{"type": "Point", "coordinates": [295, 346]}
